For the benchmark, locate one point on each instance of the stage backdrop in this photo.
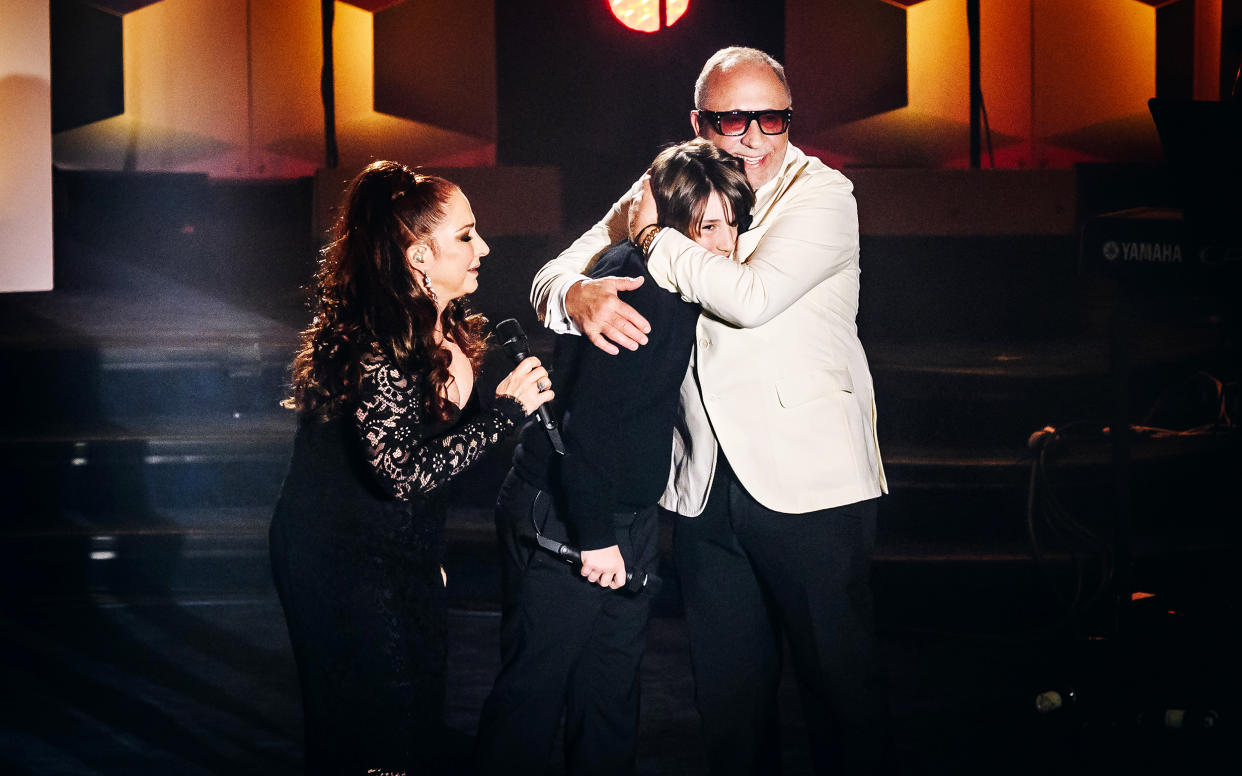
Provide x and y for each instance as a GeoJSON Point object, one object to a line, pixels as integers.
{"type": "Point", "coordinates": [231, 87]}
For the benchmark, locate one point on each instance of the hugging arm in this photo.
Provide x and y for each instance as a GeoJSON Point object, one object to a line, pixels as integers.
{"type": "Point", "coordinates": [814, 237]}
{"type": "Point", "coordinates": [569, 302]}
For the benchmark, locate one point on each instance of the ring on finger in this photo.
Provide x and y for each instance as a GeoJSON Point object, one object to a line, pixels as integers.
{"type": "Point", "coordinates": [543, 384]}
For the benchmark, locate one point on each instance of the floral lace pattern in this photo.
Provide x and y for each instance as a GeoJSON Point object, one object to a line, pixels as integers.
{"type": "Point", "coordinates": [405, 456]}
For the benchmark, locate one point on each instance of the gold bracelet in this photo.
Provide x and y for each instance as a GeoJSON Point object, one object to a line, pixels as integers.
{"type": "Point", "coordinates": [638, 240]}
{"type": "Point", "coordinates": [644, 244]}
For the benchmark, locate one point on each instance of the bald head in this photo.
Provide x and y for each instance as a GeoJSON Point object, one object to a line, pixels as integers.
{"type": "Point", "coordinates": [735, 58]}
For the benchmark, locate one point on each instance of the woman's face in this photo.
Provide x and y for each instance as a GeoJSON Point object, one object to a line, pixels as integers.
{"type": "Point", "coordinates": [715, 232]}
{"type": "Point", "coordinates": [451, 261]}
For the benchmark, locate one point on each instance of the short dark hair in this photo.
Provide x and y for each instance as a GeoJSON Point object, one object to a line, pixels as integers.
{"type": "Point", "coordinates": [683, 178]}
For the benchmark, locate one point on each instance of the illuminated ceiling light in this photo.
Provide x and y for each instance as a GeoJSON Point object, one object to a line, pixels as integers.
{"type": "Point", "coordinates": [674, 9]}
{"type": "Point", "coordinates": [644, 15]}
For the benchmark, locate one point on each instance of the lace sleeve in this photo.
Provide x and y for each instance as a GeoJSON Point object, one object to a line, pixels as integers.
{"type": "Point", "coordinates": [394, 434]}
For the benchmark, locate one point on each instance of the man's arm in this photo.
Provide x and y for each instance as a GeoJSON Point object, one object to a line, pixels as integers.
{"type": "Point", "coordinates": [547, 291]}
{"type": "Point", "coordinates": [569, 302]}
{"type": "Point", "coordinates": [813, 237]}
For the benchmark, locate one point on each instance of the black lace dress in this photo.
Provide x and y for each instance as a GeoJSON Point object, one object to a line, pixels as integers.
{"type": "Point", "coordinates": [357, 542]}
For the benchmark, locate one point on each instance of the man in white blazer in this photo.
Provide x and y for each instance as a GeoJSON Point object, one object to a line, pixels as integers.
{"type": "Point", "coordinates": [776, 466]}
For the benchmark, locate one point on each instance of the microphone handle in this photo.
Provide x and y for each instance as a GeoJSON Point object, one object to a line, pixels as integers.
{"type": "Point", "coordinates": [549, 428]}
{"type": "Point", "coordinates": [545, 417]}
{"type": "Point", "coordinates": [634, 582]}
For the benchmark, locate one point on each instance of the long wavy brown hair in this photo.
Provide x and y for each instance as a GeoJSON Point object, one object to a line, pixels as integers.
{"type": "Point", "coordinates": [367, 297]}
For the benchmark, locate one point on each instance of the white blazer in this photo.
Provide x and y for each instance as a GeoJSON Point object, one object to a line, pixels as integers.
{"type": "Point", "coordinates": [779, 378]}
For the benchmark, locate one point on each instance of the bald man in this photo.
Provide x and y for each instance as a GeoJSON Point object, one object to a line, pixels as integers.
{"type": "Point", "coordinates": [776, 467]}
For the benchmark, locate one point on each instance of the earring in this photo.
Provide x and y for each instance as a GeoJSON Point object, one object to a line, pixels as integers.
{"type": "Point", "coordinates": [418, 256]}
{"type": "Point", "coordinates": [427, 287]}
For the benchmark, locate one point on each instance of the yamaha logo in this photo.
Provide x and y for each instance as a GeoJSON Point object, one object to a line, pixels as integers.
{"type": "Point", "coordinates": [1143, 252]}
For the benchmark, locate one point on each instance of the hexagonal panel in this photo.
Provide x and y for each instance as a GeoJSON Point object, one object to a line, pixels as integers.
{"type": "Point", "coordinates": [87, 69]}
{"type": "Point", "coordinates": [372, 6]}
{"type": "Point", "coordinates": [121, 7]}
{"type": "Point", "coordinates": [846, 60]}
{"type": "Point", "coordinates": [436, 63]}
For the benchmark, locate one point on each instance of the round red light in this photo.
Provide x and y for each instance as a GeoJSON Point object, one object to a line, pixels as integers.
{"type": "Point", "coordinates": [644, 15]}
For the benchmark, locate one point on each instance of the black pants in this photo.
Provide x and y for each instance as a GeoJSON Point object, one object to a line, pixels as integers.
{"type": "Point", "coordinates": [748, 575]}
{"type": "Point", "coordinates": [567, 646]}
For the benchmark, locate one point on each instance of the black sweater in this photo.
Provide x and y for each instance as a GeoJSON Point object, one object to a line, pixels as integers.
{"type": "Point", "coordinates": [616, 412]}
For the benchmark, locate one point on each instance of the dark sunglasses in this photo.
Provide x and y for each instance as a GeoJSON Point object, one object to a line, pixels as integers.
{"type": "Point", "coordinates": [736, 122]}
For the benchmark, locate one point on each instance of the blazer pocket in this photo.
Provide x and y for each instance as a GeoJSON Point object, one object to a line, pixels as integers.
{"type": "Point", "coordinates": [794, 391]}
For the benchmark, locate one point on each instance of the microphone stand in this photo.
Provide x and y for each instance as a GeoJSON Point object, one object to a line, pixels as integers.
{"type": "Point", "coordinates": [976, 93]}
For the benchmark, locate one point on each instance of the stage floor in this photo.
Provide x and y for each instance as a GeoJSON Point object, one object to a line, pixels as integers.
{"type": "Point", "coordinates": [153, 686]}
{"type": "Point", "coordinates": [172, 657]}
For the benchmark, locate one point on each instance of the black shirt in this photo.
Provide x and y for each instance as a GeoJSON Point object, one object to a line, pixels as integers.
{"type": "Point", "coordinates": [616, 412]}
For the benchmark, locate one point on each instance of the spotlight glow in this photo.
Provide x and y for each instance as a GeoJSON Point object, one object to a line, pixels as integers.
{"type": "Point", "coordinates": [644, 15]}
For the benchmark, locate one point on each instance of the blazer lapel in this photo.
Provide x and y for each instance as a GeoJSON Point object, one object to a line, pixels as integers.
{"type": "Point", "coordinates": [747, 242]}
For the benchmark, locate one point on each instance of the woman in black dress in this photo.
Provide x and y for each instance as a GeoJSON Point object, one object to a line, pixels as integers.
{"type": "Point", "coordinates": [383, 385]}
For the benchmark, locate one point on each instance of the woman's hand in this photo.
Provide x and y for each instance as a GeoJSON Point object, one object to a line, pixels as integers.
{"type": "Point", "coordinates": [528, 383]}
{"type": "Point", "coordinates": [604, 567]}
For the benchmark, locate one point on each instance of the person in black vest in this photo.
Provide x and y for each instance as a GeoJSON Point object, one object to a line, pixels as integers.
{"type": "Point", "coordinates": [571, 638]}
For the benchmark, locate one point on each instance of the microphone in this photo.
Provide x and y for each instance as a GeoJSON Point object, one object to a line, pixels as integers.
{"type": "Point", "coordinates": [513, 340]}
{"type": "Point", "coordinates": [635, 581]}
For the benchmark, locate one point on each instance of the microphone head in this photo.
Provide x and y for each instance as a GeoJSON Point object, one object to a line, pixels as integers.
{"type": "Point", "coordinates": [512, 338]}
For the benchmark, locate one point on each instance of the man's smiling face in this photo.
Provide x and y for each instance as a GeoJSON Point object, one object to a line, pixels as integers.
{"type": "Point", "coordinates": [748, 86]}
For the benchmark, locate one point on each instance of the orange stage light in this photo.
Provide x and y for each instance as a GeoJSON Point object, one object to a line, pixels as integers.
{"type": "Point", "coordinates": [644, 15]}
